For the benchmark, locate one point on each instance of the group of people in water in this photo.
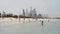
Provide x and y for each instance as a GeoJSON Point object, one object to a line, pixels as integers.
{"type": "Point", "coordinates": [42, 21]}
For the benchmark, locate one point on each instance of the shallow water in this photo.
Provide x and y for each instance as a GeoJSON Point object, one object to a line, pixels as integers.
{"type": "Point", "coordinates": [51, 27]}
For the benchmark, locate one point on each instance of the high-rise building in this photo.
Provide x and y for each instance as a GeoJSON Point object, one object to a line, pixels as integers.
{"type": "Point", "coordinates": [33, 12]}
{"type": "Point", "coordinates": [26, 14]}
{"type": "Point", "coordinates": [23, 12]}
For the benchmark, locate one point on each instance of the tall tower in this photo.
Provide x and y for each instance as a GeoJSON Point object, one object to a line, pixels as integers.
{"type": "Point", "coordinates": [26, 12]}
{"type": "Point", "coordinates": [31, 12]}
{"type": "Point", "coordinates": [34, 12]}
{"type": "Point", "coordinates": [23, 12]}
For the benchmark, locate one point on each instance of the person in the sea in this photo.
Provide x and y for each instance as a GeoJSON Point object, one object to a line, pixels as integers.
{"type": "Point", "coordinates": [42, 23]}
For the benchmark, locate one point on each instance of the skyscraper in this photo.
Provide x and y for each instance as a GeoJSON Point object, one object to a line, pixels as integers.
{"type": "Point", "coordinates": [33, 12]}
{"type": "Point", "coordinates": [26, 13]}
{"type": "Point", "coordinates": [23, 12]}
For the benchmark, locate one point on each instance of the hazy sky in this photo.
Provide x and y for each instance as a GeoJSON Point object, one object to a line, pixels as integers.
{"type": "Point", "coordinates": [50, 7]}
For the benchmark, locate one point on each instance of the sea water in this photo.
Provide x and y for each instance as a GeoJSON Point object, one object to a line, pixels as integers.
{"type": "Point", "coordinates": [34, 27]}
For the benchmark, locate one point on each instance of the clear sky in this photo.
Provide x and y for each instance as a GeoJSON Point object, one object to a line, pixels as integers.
{"type": "Point", "coordinates": [50, 7]}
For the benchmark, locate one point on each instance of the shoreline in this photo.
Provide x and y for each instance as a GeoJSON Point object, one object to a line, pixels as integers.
{"type": "Point", "coordinates": [26, 19]}
{"type": "Point", "coordinates": [11, 21]}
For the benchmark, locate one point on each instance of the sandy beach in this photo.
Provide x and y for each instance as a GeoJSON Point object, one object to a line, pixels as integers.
{"type": "Point", "coordinates": [22, 19]}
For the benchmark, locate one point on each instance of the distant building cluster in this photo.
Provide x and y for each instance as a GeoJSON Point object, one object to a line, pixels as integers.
{"type": "Point", "coordinates": [30, 14]}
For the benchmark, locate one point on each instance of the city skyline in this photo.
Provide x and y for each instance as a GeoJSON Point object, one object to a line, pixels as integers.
{"type": "Point", "coordinates": [25, 13]}
{"type": "Point", "coordinates": [50, 7]}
